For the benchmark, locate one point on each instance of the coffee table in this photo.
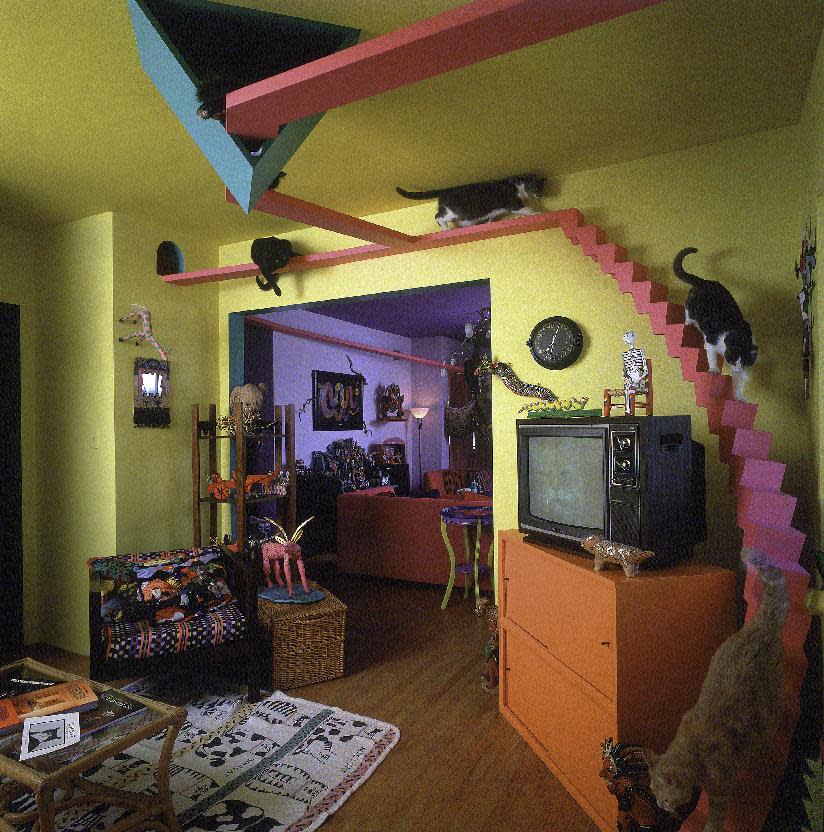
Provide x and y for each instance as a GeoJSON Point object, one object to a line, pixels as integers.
{"type": "Point", "coordinates": [58, 780]}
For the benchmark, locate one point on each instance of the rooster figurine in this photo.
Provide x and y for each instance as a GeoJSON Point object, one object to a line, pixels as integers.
{"type": "Point", "coordinates": [281, 548]}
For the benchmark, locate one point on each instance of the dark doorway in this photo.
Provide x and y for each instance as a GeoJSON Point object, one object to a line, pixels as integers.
{"type": "Point", "coordinates": [11, 488]}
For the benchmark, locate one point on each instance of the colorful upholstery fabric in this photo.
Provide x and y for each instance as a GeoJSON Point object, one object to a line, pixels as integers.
{"type": "Point", "coordinates": [157, 587]}
{"type": "Point", "coordinates": [449, 481]}
{"type": "Point", "coordinates": [139, 639]}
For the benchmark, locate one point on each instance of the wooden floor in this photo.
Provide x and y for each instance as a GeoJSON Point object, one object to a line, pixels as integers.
{"type": "Point", "coordinates": [459, 766]}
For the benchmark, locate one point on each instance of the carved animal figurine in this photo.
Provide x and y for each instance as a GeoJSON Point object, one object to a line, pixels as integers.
{"type": "Point", "coordinates": [392, 402]}
{"type": "Point", "coordinates": [141, 315]}
{"type": "Point", "coordinates": [607, 551]}
{"type": "Point", "coordinates": [482, 201]}
{"type": "Point", "coordinates": [627, 775]}
{"type": "Point", "coordinates": [249, 395]}
{"type": "Point", "coordinates": [713, 311]}
{"type": "Point", "coordinates": [737, 712]}
{"type": "Point", "coordinates": [218, 488]}
{"type": "Point", "coordinates": [281, 549]}
{"type": "Point", "coordinates": [489, 678]}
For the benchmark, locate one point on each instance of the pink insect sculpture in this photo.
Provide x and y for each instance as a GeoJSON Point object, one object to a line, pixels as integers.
{"type": "Point", "coordinates": [282, 548]}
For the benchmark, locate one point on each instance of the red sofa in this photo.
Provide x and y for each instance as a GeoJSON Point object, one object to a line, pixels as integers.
{"type": "Point", "coordinates": [398, 537]}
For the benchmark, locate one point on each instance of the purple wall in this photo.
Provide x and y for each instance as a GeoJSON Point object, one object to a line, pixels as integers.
{"type": "Point", "coordinates": [295, 358]}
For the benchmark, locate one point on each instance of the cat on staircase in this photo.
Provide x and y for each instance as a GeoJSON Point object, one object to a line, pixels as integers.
{"type": "Point", "coordinates": [713, 311]}
{"type": "Point", "coordinates": [737, 712]}
{"type": "Point", "coordinates": [482, 201]}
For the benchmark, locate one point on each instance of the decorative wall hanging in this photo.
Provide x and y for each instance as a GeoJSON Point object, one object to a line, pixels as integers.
{"type": "Point", "coordinates": [391, 403]}
{"type": "Point", "coordinates": [141, 315]}
{"type": "Point", "coordinates": [151, 393]}
{"type": "Point", "coordinates": [512, 382]}
{"type": "Point", "coordinates": [337, 401]}
{"type": "Point", "coordinates": [556, 342]}
{"type": "Point", "coordinates": [804, 271]}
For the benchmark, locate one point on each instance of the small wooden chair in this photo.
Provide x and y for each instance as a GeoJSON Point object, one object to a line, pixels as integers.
{"type": "Point", "coordinates": [617, 397]}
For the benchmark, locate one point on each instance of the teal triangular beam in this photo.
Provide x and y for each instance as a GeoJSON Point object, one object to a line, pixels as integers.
{"type": "Point", "coordinates": [247, 177]}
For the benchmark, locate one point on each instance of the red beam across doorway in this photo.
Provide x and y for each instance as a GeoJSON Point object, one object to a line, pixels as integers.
{"type": "Point", "coordinates": [451, 40]}
{"type": "Point", "coordinates": [298, 210]}
{"type": "Point", "coordinates": [253, 320]}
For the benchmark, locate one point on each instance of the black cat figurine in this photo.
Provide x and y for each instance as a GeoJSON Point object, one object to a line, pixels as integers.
{"type": "Point", "coordinates": [481, 202]}
{"type": "Point", "coordinates": [713, 311]}
{"type": "Point", "coordinates": [270, 254]}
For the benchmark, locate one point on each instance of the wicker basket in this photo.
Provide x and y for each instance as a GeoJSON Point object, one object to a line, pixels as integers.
{"type": "Point", "coordinates": [306, 640]}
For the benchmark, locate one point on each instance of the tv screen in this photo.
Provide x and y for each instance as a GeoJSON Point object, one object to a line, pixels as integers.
{"type": "Point", "coordinates": [566, 480]}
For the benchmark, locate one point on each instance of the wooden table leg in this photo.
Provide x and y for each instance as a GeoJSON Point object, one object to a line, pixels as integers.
{"type": "Point", "coordinates": [45, 808]}
{"type": "Point", "coordinates": [163, 792]}
{"type": "Point", "coordinates": [451, 552]}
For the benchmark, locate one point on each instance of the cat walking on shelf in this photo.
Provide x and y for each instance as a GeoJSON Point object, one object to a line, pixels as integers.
{"type": "Point", "coordinates": [481, 202]}
{"type": "Point", "coordinates": [737, 712]}
{"type": "Point", "coordinates": [713, 311]}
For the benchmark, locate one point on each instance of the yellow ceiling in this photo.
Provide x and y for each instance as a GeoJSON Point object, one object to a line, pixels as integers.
{"type": "Point", "coordinates": [84, 130]}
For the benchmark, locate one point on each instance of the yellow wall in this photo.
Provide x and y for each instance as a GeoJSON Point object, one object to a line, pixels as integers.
{"type": "Point", "coordinates": [21, 283]}
{"type": "Point", "coordinates": [76, 485]}
{"type": "Point", "coordinates": [153, 466]}
{"type": "Point", "coordinates": [737, 201]}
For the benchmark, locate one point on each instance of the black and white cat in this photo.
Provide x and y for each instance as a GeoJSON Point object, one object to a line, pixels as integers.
{"type": "Point", "coordinates": [714, 312]}
{"type": "Point", "coordinates": [482, 201]}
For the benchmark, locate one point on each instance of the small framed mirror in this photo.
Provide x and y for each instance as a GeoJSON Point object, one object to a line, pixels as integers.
{"type": "Point", "coordinates": [151, 393]}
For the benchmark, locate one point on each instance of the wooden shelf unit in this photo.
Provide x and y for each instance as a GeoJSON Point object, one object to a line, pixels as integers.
{"type": "Point", "coordinates": [283, 435]}
{"type": "Point", "coordinates": [587, 655]}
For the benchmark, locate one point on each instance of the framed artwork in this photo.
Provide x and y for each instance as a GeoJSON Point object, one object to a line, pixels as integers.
{"type": "Point", "coordinates": [151, 393]}
{"type": "Point", "coordinates": [337, 401]}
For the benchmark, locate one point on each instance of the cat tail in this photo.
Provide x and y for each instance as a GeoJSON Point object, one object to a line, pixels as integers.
{"type": "Point", "coordinates": [680, 272]}
{"type": "Point", "coordinates": [418, 194]}
{"type": "Point", "coordinates": [775, 602]}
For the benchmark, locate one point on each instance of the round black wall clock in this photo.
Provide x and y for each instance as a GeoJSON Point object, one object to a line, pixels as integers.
{"type": "Point", "coordinates": [556, 342]}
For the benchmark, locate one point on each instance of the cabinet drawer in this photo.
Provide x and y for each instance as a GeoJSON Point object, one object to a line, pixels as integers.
{"type": "Point", "coordinates": [566, 608]}
{"type": "Point", "coordinates": [565, 715]}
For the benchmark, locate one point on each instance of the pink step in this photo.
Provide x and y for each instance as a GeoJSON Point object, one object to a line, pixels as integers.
{"type": "Point", "coordinates": [678, 336]}
{"type": "Point", "coordinates": [608, 255]}
{"type": "Point", "coordinates": [760, 474]}
{"type": "Point", "coordinates": [627, 273]}
{"type": "Point", "coordinates": [739, 414]}
{"type": "Point", "coordinates": [693, 362]}
{"type": "Point", "coordinates": [570, 222]}
{"type": "Point", "coordinates": [647, 292]}
{"type": "Point", "coordinates": [780, 545]}
{"type": "Point", "coordinates": [715, 410]}
{"type": "Point", "coordinates": [663, 313]}
{"type": "Point", "coordinates": [765, 508]}
{"type": "Point", "coordinates": [751, 444]}
{"type": "Point", "coordinates": [589, 238]}
{"type": "Point", "coordinates": [710, 386]}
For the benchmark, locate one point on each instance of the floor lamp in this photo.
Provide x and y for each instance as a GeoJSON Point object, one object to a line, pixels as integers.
{"type": "Point", "coordinates": [419, 413]}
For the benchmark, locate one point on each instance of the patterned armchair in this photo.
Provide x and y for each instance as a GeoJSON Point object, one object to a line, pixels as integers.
{"type": "Point", "coordinates": [181, 608]}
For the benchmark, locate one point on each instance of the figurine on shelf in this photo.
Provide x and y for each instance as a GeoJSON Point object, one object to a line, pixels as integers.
{"type": "Point", "coordinates": [627, 557]}
{"type": "Point", "coordinates": [249, 395]}
{"type": "Point", "coordinates": [280, 549]}
{"type": "Point", "coordinates": [218, 488]}
{"type": "Point", "coordinates": [392, 403]}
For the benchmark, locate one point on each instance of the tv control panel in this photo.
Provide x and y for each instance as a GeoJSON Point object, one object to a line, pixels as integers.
{"type": "Point", "coordinates": [624, 458]}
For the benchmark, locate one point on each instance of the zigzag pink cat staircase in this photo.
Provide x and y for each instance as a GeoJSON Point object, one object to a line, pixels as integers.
{"type": "Point", "coordinates": [763, 512]}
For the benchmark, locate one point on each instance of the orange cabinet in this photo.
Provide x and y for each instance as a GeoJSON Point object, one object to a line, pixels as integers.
{"type": "Point", "coordinates": [586, 655]}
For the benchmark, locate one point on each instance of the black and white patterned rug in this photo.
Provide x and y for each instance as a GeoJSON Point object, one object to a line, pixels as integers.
{"type": "Point", "coordinates": [282, 764]}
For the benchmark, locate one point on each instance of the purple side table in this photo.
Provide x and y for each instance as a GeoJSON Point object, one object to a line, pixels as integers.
{"type": "Point", "coordinates": [467, 516]}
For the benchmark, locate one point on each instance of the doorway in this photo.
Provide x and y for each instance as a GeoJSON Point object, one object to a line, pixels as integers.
{"type": "Point", "coordinates": [11, 489]}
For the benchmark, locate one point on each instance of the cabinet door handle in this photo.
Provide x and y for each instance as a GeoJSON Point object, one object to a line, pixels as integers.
{"type": "Point", "coordinates": [605, 644]}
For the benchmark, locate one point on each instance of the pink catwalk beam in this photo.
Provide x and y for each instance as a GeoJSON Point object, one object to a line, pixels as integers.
{"type": "Point", "coordinates": [292, 208]}
{"type": "Point", "coordinates": [457, 38]}
{"type": "Point", "coordinates": [437, 239]}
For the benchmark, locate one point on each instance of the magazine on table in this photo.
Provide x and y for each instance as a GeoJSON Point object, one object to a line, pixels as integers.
{"type": "Point", "coordinates": [64, 697]}
{"type": "Point", "coordinates": [112, 707]}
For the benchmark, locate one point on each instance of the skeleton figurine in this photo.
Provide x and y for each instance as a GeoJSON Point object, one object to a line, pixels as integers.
{"type": "Point", "coordinates": [635, 370]}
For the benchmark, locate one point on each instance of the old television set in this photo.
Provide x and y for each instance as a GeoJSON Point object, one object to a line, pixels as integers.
{"type": "Point", "coordinates": [634, 480]}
